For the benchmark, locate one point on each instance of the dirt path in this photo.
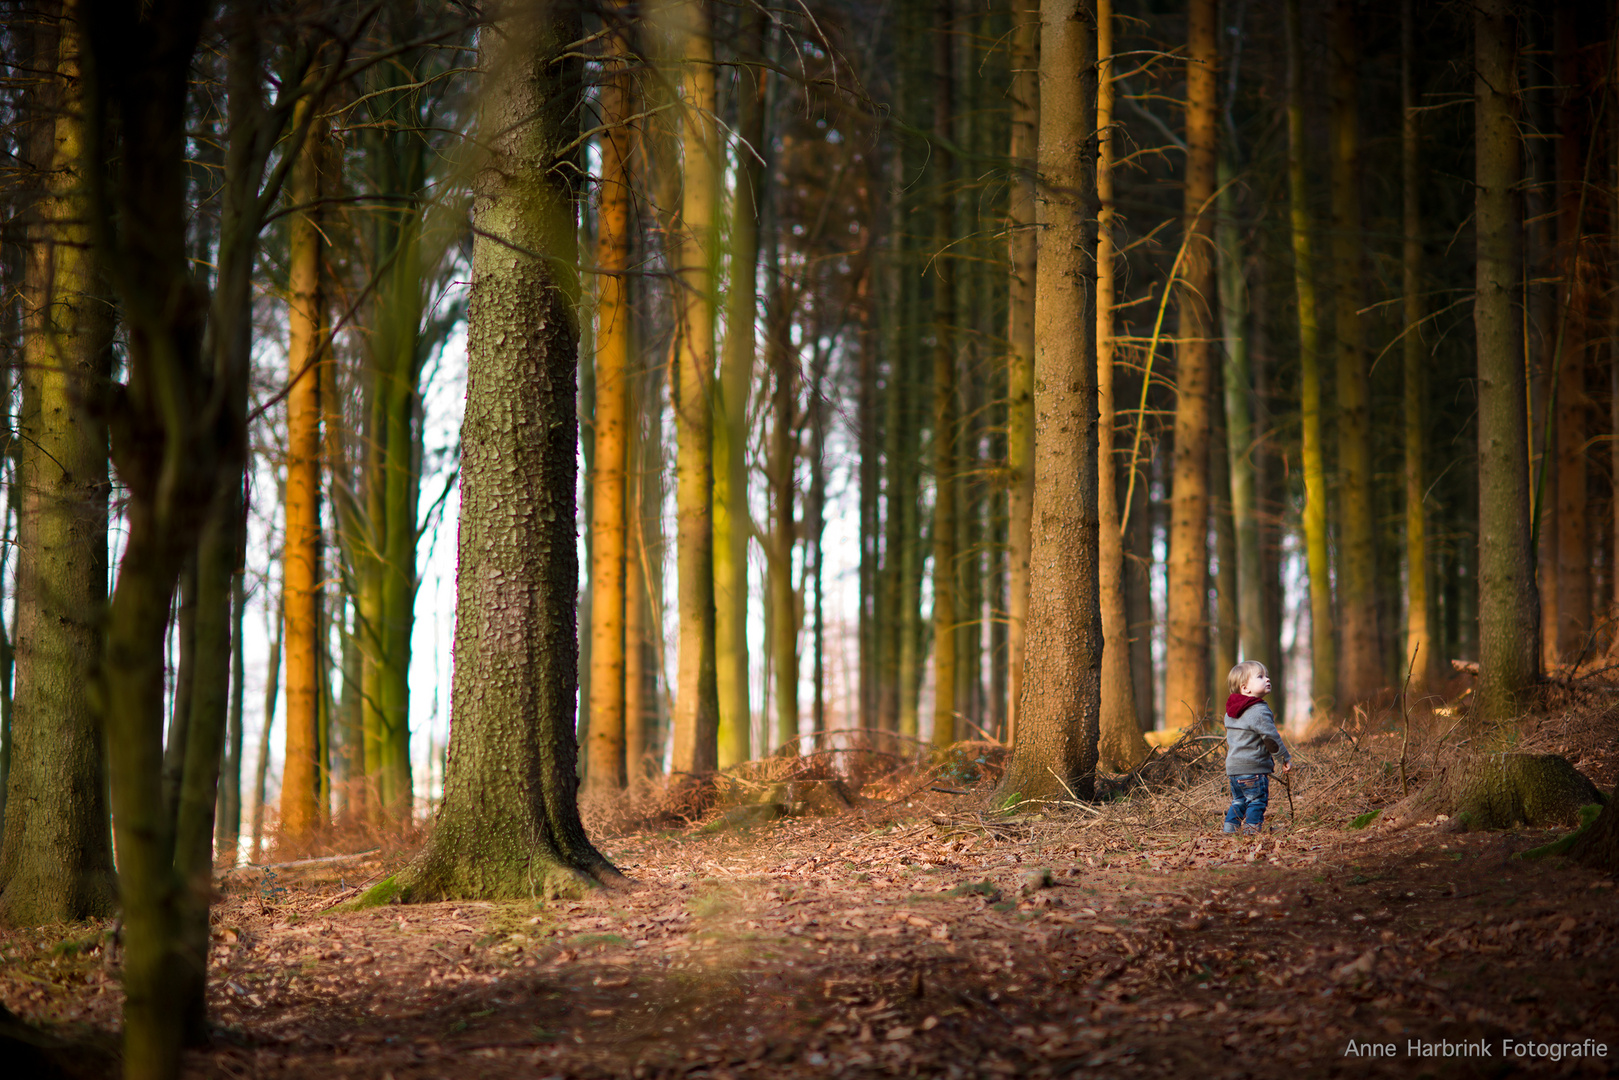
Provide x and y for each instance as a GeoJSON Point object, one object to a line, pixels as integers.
{"type": "Point", "coordinates": [848, 948]}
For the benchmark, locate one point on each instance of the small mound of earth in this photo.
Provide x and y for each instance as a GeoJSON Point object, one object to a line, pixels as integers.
{"type": "Point", "coordinates": [1499, 791]}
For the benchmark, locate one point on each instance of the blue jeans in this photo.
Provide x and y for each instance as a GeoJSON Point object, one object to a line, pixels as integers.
{"type": "Point", "coordinates": [1249, 796]}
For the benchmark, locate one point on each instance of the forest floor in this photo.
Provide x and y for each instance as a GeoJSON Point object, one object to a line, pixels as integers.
{"type": "Point", "coordinates": [906, 938]}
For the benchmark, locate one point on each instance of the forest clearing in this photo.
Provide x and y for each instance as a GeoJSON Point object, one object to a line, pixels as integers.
{"type": "Point", "coordinates": [927, 935]}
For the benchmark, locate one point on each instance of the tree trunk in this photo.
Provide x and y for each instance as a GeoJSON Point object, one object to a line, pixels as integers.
{"type": "Point", "coordinates": [1572, 544]}
{"type": "Point", "coordinates": [1241, 446]}
{"type": "Point", "coordinates": [1361, 654]}
{"type": "Point", "coordinates": [695, 254]}
{"type": "Point", "coordinates": [261, 768]}
{"type": "Point", "coordinates": [1056, 753]}
{"type": "Point", "coordinates": [731, 518]}
{"type": "Point", "coordinates": [1186, 691]}
{"type": "Point", "coordinates": [607, 769]}
{"type": "Point", "coordinates": [1121, 745]}
{"type": "Point", "coordinates": [228, 816]}
{"type": "Point", "coordinates": [1323, 656]}
{"type": "Point", "coordinates": [56, 860]}
{"type": "Point", "coordinates": [1506, 588]}
{"type": "Point", "coordinates": [785, 620]}
{"type": "Point", "coordinates": [1020, 341]}
{"type": "Point", "coordinates": [1419, 645]}
{"type": "Point", "coordinates": [509, 823]}
{"type": "Point", "coordinates": [945, 409]}
{"type": "Point", "coordinates": [302, 814]}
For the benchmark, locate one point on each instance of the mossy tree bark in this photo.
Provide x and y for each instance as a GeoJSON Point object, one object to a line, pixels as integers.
{"type": "Point", "coordinates": [1121, 745]}
{"type": "Point", "coordinates": [1498, 791]}
{"type": "Point", "coordinates": [509, 824]}
{"type": "Point", "coordinates": [1186, 687]}
{"type": "Point", "coordinates": [1323, 650]}
{"type": "Point", "coordinates": [1056, 752]}
{"type": "Point", "coordinates": [56, 862]}
{"type": "Point", "coordinates": [1507, 605]}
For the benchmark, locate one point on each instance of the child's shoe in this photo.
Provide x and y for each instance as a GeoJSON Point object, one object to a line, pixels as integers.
{"type": "Point", "coordinates": [1251, 830]}
{"type": "Point", "coordinates": [1228, 827]}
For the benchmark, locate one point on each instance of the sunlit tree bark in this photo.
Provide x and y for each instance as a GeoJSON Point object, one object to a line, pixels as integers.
{"type": "Point", "coordinates": [1418, 638]}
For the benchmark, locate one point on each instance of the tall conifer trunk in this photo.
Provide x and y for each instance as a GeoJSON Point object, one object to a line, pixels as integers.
{"type": "Point", "coordinates": [1025, 105]}
{"type": "Point", "coordinates": [1507, 605]}
{"type": "Point", "coordinates": [1186, 690]}
{"type": "Point", "coordinates": [1121, 744]}
{"type": "Point", "coordinates": [1056, 753]}
{"type": "Point", "coordinates": [945, 389]}
{"type": "Point", "coordinates": [1361, 652]}
{"type": "Point", "coordinates": [1419, 643]}
{"type": "Point", "coordinates": [1323, 656]}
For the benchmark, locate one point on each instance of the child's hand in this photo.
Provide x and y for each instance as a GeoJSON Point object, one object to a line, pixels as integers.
{"type": "Point", "coordinates": [1287, 766]}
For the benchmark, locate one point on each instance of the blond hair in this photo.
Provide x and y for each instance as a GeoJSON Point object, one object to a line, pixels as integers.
{"type": "Point", "coordinates": [1242, 673]}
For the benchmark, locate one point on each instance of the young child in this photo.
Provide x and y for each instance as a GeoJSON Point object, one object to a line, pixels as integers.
{"type": "Point", "coordinates": [1251, 738]}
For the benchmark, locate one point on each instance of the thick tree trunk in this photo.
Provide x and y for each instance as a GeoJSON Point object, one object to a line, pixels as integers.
{"type": "Point", "coordinates": [1418, 654]}
{"type": "Point", "coordinates": [56, 860]}
{"type": "Point", "coordinates": [1186, 691]}
{"type": "Point", "coordinates": [1025, 105]}
{"type": "Point", "coordinates": [302, 813]}
{"type": "Point", "coordinates": [1507, 605]}
{"type": "Point", "coordinates": [1121, 744]}
{"type": "Point", "coordinates": [1361, 655]}
{"type": "Point", "coordinates": [1056, 753]}
{"type": "Point", "coordinates": [695, 254]}
{"type": "Point", "coordinates": [731, 524]}
{"type": "Point", "coordinates": [509, 824]}
{"type": "Point", "coordinates": [1323, 656]}
{"type": "Point", "coordinates": [606, 769]}
{"type": "Point", "coordinates": [945, 405]}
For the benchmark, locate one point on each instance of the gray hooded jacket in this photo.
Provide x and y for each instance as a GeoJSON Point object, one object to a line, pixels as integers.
{"type": "Point", "coordinates": [1251, 739]}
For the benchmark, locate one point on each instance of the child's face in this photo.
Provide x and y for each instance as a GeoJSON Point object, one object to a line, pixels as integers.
{"type": "Point", "coordinates": [1256, 686]}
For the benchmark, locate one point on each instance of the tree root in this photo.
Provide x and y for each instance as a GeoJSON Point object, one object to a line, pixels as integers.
{"type": "Point", "coordinates": [1498, 791]}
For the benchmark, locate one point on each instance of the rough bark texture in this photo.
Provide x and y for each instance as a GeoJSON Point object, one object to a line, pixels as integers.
{"type": "Point", "coordinates": [301, 568]}
{"type": "Point", "coordinates": [1025, 105]}
{"type": "Point", "coordinates": [1186, 680]}
{"type": "Point", "coordinates": [606, 769]}
{"type": "Point", "coordinates": [56, 862]}
{"type": "Point", "coordinates": [1598, 846]}
{"type": "Point", "coordinates": [1361, 654]}
{"type": "Point", "coordinates": [1507, 606]}
{"type": "Point", "coordinates": [1056, 751]}
{"type": "Point", "coordinates": [695, 256]}
{"type": "Point", "coordinates": [1499, 791]}
{"type": "Point", "coordinates": [1121, 744]}
{"type": "Point", "coordinates": [1419, 642]}
{"type": "Point", "coordinates": [509, 824]}
{"type": "Point", "coordinates": [731, 519]}
{"type": "Point", "coordinates": [1323, 663]}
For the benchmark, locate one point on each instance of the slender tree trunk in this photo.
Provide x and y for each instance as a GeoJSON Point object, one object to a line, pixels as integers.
{"type": "Point", "coordinates": [509, 824]}
{"type": "Point", "coordinates": [1056, 751]}
{"type": "Point", "coordinates": [1419, 646]}
{"type": "Point", "coordinates": [1020, 339]}
{"type": "Point", "coordinates": [261, 768]}
{"type": "Point", "coordinates": [1224, 641]}
{"type": "Point", "coordinates": [814, 531]}
{"type": "Point", "coordinates": [695, 246]}
{"type": "Point", "coordinates": [1241, 448]}
{"type": "Point", "coordinates": [301, 811]}
{"type": "Point", "coordinates": [1572, 542]}
{"type": "Point", "coordinates": [1138, 581]}
{"type": "Point", "coordinates": [1122, 746]}
{"type": "Point", "coordinates": [945, 409]}
{"type": "Point", "coordinates": [606, 770]}
{"type": "Point", "coordinates": [1186, 690]}
{"type": "Point", "coordinates": [228, 816]}
{"type": "Point", "coordinates": [731, 422]}
{"type": "Point", "coordinates": [56, 860]}
{"type": "Point", "coordinates": [1323, 655]}
{"type": "Point", "coordinates": [1362, 672]}
{"type": "Point", "coordinates": [1506, 589]}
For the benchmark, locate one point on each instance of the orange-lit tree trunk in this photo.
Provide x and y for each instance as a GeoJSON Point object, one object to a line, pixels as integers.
{"type": "Point", "coordinates": [1419, 643]}
{"type": "Point", "coordinates": [606, 768]}
{"type": "Point", "coordinates": [1122, 746]}
{"type": "Point", "coordinates": [945, 419]}
{"type": "Point", "coordinates": [301, 811]}
{"type": "Point", "coordinates": [1186, 688]}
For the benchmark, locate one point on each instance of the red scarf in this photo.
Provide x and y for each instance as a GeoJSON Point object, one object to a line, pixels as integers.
{"type": "Point", "coordinates": [1236, 703]}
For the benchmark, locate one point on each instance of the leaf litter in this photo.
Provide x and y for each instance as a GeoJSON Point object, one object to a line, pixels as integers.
{"type": "Point", "coordinates": [927, 934]}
